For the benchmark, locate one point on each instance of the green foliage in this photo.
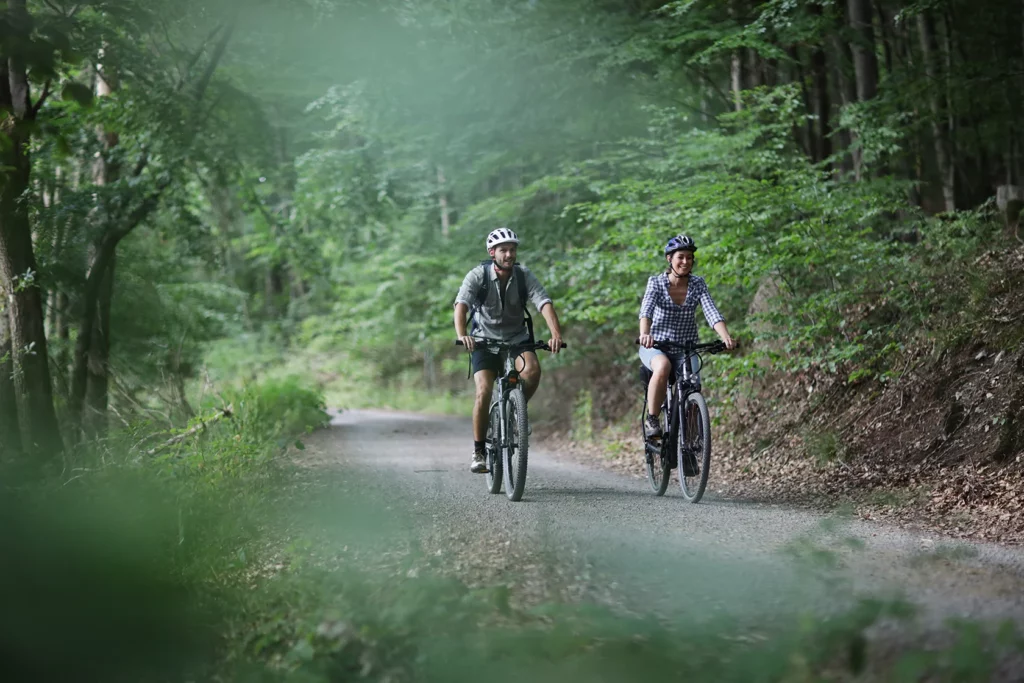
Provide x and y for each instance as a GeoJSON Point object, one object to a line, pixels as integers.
{"type": "Point", "coordinates": [280, 407]}
{"type": "Point", "coordinates": [164, 538]}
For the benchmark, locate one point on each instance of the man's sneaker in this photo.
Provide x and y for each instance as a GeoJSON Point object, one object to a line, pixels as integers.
{"type": "Point", "coordinates": [479, 465]}
{"type": "Point", "coordinates": [652, 427]}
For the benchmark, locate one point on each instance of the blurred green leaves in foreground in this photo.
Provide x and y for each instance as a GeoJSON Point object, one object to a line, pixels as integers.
{"type": "Point", "coordinates": [221, 560]}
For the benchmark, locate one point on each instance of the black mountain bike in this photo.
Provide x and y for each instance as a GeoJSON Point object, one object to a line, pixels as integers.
{"type": "Point", "coordinates": [685, 443]}
{"type": "Point", "coordinates": [507, 444]}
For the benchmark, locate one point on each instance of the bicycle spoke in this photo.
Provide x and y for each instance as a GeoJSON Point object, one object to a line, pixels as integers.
{"type": "Point", "coordinates": [694, 447]}
{"type": "Point", "coordinates": [657, 464]}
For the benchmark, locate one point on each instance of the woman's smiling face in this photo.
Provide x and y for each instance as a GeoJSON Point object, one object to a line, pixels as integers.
{"type": "Point", "coordinates": [681, 262]}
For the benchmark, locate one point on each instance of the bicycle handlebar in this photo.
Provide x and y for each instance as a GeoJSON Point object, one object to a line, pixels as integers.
{"type": "Point", "coordinates": [535, 346]}
{"type": "Point", "coordinates": [710, 347]}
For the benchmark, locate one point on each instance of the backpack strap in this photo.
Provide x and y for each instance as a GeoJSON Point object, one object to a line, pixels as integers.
{"type": "Point", "coordinates": [485, 288]}
{"type": "Point", "coordinates": [523, 294]}
{"type": "Point", "coordinates": [481, 296]}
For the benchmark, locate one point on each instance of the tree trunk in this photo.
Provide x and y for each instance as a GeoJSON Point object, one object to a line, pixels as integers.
{"type": "Point", "coordinates": [105, 172]}
{"type": "Point", "coordinates": [51, 198]}
{"type": "Point", "coordinates": [10, 431]}
{"type": "Point", "coordinates": [40, 432]}
{"type": "Point", "coordinates": [755, 69]}
{"type": "Point", "coordinates": [865, 63]}
{"type": "Point", "coordinates": [884, 26]}
{"type": "Point", "coordinates": [864, 60]}
{"type": "Point", "coordinates": [804, 134]}
{"type": "Point", "coordinates": [103, 255]}
{"type": "Point", "coordinates": [98, 379]}
{"type": "Point", "coordinates": [736, 72]}
{"type": "Point", "coordinates": [442, 194]}
{"type": "Point", "coordinates": [842, 59]}
{"type": "Point", "coordinates": [62, 330]}
{"type": "Point", "coordinates": [822, 106]}
{"type": "Point", "coordinates": [929, 48]}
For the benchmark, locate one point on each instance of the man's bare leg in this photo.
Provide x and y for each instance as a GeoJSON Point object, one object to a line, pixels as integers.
{"type": "Point", "coordinates": [529, 369]}
{"type": "Point", "coordinates": [484, 386]}
{"type": "Point", "coordinates": [484, 380]}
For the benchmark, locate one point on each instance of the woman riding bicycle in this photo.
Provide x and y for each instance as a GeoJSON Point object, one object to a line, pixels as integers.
{"type": "Point", "coordinates": [668, 313]}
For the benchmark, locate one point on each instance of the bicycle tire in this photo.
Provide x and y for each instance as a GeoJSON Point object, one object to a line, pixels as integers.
{"type": "Point", "coordinates": [494, 457]}
{"type": "Point", "coordinates": [697, 433]}
{"type": "Point", "coordinates": [658, 467]}
{"type": "Point", "coordinates": [517, 446]}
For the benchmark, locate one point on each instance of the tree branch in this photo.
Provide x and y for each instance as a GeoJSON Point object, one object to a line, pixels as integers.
{"type": "Point", "coordinates": [726, 99]}
{"type": "Point", "coordinates": [218, 54]}
{"type": "Point", "coordinates": [198, 53]}
{"type": "Point", "coordinates": [141, 165]}
{"type": "Point", "coordinates": [226, 412]}
{"type": "Point", "coordinates": [42, 98]}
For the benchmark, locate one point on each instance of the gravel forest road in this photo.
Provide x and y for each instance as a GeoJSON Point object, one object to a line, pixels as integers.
{"type": "Point", "coordinates": [582, 533]}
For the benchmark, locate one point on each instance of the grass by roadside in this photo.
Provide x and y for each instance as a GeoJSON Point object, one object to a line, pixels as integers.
{"type": "Point", "coordinates": [345, 379]}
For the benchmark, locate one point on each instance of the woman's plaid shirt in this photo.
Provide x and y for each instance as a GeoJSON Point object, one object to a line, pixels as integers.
{"type": "Point", "coordinates": [677, 322]}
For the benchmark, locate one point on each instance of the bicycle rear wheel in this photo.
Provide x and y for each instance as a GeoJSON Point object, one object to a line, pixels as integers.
{"type": "Point", "coordinates": [694, 447]}
{"type": "Point", "coordinates": [493, 449]}
{"type": "Point", "coordinates": [516, 447]}
{"type": "Point", "coordinates": [658, 469]}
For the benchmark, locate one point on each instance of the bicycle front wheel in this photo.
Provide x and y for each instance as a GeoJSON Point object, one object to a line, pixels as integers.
{"type": "Point", "coordinates": [694, 446]}
{"type": "Point", "coordinates": [655, 455]}
{"type": "Point", "coordinates": [493, 446]}
{"type": "Point", "coordinates": [516, 447]}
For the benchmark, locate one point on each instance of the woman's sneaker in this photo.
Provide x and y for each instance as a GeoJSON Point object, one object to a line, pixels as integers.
{"type": "Point", "coordinates": [479, 465]}
{"type": "Point", "coordinates": [652, 427]}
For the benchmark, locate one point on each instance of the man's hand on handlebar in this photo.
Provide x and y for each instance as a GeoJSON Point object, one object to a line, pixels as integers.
{"type": "Point", "coordinates": [471, 344]}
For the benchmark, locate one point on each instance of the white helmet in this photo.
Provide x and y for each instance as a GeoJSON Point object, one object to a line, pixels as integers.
{"type": "Point", "coordinates": [501, 236]}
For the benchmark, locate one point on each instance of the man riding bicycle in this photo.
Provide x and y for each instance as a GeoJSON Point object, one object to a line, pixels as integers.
{"type": "Point", "coordinates": [498, 291]}
{"type": "Point", "coordinates": [668, 313]}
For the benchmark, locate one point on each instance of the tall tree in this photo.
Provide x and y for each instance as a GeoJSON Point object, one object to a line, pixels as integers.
{"type": "Point", "coordinates": [18, 269]}
{"type": "Point", "coordinates": [865, 60]}
{"type": "Point", "coordinates": [822, 103]}
{"type": "Point", "coordinates": [10, 431]}
{"type": "Point", "coordinates": [121, 223]}
{"type": "Point", "coordinates": [936, 90]}
{"type": "Point", "coordinates": [106, 170]}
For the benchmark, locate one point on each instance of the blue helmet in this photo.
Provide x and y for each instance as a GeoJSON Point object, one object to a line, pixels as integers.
{"type": "Point", "coordinates": [679, 242]}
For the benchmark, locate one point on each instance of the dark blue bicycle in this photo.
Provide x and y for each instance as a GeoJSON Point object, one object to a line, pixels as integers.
{"type": "Point", "coordinates": [685, 443]}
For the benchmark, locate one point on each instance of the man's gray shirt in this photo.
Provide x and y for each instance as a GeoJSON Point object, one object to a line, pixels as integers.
{"type": "Point", "coordinates": [495, 319]}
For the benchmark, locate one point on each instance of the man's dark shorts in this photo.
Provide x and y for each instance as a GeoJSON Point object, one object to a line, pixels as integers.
{"type": "Point", "coordinates": [485, 360]}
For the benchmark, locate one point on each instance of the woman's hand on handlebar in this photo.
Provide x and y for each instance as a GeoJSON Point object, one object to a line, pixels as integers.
{"type": "Point", "coordinates": [645, 340]}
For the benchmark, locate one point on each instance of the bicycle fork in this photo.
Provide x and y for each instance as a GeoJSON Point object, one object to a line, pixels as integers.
{"type": "Point", "coordinates": [500, 446]}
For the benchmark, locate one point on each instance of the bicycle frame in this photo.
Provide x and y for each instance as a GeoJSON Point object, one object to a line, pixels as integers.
{"type": "Point", "coordinates": [511, 379]}
{"type": "Point", "coordinates": [504, 385]}
{"type": "Point", "coordinates": [681, 385]}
